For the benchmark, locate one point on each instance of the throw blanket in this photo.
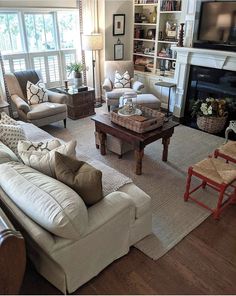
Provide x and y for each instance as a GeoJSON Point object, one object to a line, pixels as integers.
{"type": "Point", "coordinates": [112, 180]}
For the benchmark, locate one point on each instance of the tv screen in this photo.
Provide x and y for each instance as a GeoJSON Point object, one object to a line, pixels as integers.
{"type": "Point", "coordinates": [218, 22]}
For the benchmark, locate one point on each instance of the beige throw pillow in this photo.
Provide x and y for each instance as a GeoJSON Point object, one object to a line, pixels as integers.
{"type": "Point", "coordinates": [45, 163]}
{"type": "Point", "coordinates": [43, 147]}
{"type": "Point", "coordinates": [5, 119]}
{"type": "Point", "coordinates": [10, 135]}
{"type": "Point", "coordinates": [122, 81]}
{"type": "Point", "coordinates": [36, 93]}
{"type": "Point", "coordinates": [80, 176]}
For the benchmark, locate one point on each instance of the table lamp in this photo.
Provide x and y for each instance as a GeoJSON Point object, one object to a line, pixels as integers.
{"type": "Point", "coordinates": [93, 42]}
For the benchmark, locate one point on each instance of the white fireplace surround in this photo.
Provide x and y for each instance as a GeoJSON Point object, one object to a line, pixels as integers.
{"type": "Point", "coordinates": [199, 57]}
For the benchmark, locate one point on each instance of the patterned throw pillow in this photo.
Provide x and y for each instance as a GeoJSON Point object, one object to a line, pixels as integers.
{"type": "Point", "coordinates": [36, 93]}
{"type": "Point", "coordinates": [45, 162]}
{"type": "Point", "coordinates": [10, 135]}
{"type": "Point", "coordinates": [122, 81]}
{"type": "Point", "coordinates": [5, 119]}
{"type": "Point", "coordinates": [43, 147]}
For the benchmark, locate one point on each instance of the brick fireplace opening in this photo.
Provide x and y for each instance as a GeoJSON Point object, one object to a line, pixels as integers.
{"type": "Point", "coordinates": [210, 82]}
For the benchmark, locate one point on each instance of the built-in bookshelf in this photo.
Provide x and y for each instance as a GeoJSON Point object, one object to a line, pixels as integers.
{"type": "Point", "coordinates": [156, 25]}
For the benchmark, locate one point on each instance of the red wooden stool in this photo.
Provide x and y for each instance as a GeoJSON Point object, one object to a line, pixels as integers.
{"type": "Point", "coordinates": [218, 175]}
{"type": "Point", "coordinates": [227, 151]}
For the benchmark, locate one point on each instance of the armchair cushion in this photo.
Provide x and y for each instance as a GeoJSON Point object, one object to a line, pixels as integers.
{"type": "Point", "coordinates": [36, 93]}
{"type": "Point", "coordinates": [39, 111]}
{"type": "Point", "coordinates": [107, 84]}
{"type": "Point", "coordinates": [122, 80]}
{"type": "Point", "coordinates": [116, 93]}
{"type": "Point", "coordinates": [20, 104]}
{"type": "Point", "coordinates": [54, 97]}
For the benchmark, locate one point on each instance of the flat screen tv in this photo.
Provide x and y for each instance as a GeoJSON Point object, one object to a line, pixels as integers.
{"type": "Point", "coordinates": [218, 23]}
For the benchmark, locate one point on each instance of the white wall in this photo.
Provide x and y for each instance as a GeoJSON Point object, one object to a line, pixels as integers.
{"type": "Point", "coordinates": [118, 7]}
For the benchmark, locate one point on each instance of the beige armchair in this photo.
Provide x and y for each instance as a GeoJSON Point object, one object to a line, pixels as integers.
{"type": "Point", "coordinates": [113, 94]}
{"type": "Point", "coordinates": [39, 114]}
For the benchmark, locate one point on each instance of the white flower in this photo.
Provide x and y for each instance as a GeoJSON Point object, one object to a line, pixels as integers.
{"type": "Point", "coordinates": [208, 100]}
{"type": "Point", "coordinates": [204, 107]}
{"type": "Point", "coordinates": [210, 110]}
{"type": "Point", "coordinates": [205, 112]}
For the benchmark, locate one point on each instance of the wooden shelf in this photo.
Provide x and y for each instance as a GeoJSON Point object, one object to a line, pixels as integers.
{"type": "Point", "coordinates": [143, 55]}
{"type": "Point", "coordinates": [165, 58]}
{"type": "Point", "coordinates": [171, 11]}
{"type": "Point", "coordinates": [146, 40]}
{"type": "Point", "coordinates": [146, 4]}
{"type": "Point", "coordinates": [167, 42]}
{"type": "Point", "coordinates": [145, 24]}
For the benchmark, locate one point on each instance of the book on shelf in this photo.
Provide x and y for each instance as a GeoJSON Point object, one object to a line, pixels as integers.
{"type": "Point", "coordinates": [171, 5]}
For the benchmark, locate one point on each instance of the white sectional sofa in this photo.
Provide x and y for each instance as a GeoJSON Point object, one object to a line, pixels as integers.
{"type": "Point", "coordinates": [111, 226]}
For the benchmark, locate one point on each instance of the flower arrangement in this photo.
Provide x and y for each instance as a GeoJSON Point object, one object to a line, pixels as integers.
{"type": "Point", "coordinates": [210, 107]}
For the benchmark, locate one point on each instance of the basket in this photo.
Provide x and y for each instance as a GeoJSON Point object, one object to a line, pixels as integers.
{"type": "Point", "coordinates": [155, 120]}
{"type": "Point", "coordinates": [211, 124]}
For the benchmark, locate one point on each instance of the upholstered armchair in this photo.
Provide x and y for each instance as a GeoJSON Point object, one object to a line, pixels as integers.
{"type": "Point", "coordinates": [41, 114]}
{"type": "Point", "coordinates": [113, 94]}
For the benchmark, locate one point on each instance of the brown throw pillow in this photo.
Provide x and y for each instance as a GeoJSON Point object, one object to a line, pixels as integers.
{"type": "Point", "coordinates": [80, 176]}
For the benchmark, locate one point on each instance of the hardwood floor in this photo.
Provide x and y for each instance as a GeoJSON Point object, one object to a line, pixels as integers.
{"type": "Point", "coordinates": [202, 263]}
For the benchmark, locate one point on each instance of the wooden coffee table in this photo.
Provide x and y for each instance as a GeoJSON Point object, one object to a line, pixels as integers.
{"type": "Point", "coordinates": [103, 126]}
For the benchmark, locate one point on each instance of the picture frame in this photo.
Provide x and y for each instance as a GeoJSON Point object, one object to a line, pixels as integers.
{"type": "Point", "coordinates": [118, 24]}
{"type": "Point", "coordinates": [118, 51]}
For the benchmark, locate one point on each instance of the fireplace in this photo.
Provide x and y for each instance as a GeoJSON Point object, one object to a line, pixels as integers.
{"type": "Point", "coordinates": [207, 82]}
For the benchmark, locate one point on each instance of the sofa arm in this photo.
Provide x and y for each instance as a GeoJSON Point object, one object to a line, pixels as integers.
{"type": "Point", "coordinates": [137, 85]}
{"type": "Point", "coordinates": [107, 85]}
{"type": "Point", "coordinates": [55, 97]}
{"type": "Point", "coordinates": [110, 206]}
{"type": "Point", "coordinates": [20, 104]}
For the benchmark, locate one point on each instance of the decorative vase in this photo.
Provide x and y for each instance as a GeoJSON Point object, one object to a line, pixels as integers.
{"type": "Point", "coordinates": [211, 124]}
{"type": "Point", "coordinates": [77, 79]}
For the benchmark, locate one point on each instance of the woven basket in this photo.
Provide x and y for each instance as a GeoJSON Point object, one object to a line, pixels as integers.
{"type": "Point", "coordinates": [212, 125]}
{"type": "Point", "coordinates": [156, 120]}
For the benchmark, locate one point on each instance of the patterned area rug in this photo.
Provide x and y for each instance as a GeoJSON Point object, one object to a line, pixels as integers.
{"type": "Point", "coordinates": [172, 219]}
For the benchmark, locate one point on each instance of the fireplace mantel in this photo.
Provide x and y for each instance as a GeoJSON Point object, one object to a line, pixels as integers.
{"type": "Point", "coordinates": [188, 56]}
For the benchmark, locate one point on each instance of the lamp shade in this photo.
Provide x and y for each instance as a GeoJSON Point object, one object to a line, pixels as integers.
{"type": "Point", "coordinates": [223, 20]}
{"type": "Point", "coordinates": [92, 42]}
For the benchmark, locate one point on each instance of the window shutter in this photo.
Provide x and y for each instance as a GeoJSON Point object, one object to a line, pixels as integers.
{"type": "Point", "coordinates": [53, 68]}
{"type": "Point", "coordinates": [39, 64]}
{"type": "Point", "coordinates": [19, 65]}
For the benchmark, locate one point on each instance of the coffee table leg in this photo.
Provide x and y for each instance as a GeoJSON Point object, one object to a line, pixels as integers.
{"type": "Point", "coordinates": [165, 142]}
{"type": "Point", "coordinates": [138, 160]}
{"type": "Point", "coordinates": [102, 138]}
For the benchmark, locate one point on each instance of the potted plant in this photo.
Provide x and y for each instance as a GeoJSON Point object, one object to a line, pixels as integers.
{"type": "Point", "coordinates": [76, 68]}
{"type": "Point", "coordinates": [211, 114]}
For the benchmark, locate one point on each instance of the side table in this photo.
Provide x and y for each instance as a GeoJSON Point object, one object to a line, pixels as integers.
{"type": "Point", "coordinates": [80, 104]}
{"type": "Point", "coordinates": [169, 86]}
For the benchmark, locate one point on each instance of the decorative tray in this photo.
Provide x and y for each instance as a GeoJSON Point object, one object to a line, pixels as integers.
{"type": "Point", "coordinates": [149, 120]}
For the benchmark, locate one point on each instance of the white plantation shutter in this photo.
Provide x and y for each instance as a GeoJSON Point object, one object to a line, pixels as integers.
{"type": "Point", "coordinates": [68, 57]}
{"type": "Point", "coordinates": [53, 68]}
{"type": "Point", "coordinates": [19, 65]}
{"type": "Point", "coordinates": [39, 64]}
{"type": "Point", "coordinates": [7, 66]}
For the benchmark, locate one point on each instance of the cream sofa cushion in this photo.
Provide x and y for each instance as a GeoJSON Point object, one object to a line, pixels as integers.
{"type": "Point", "coordinates": [46, 109]}
{"type": "Point", "coordinates": [6, 154]}
{"type": "Point", "coordinates": [48, 202]}
{"type": "Point", "coordinates": [45, 163]}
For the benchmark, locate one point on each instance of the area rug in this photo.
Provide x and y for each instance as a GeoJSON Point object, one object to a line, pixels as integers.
{"type": "Point", "coordinates": [172, 218]}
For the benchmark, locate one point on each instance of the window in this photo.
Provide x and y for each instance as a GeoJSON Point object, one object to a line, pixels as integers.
{"type": "Point", "coordinates": [10, 37]}
{"type": "Point", "coordinates": [40, 32]}
{"type": "Point", "coordinates": [44, 41]}
{"type": "Point", "coordinates": [68, 30]}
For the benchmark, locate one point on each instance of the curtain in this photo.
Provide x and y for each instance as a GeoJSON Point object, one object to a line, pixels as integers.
{"type": "Point", "coordinates": [90, 25]}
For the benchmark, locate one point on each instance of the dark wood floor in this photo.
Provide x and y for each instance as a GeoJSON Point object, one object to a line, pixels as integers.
{"type": "Point", "coordinates": [203, 263]}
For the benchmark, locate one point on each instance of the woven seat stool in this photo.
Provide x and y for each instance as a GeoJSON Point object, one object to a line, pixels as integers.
{"type": "Point", "coordinates": [227, 151]}
{"type": "Point", "coordinates": [217, 174]}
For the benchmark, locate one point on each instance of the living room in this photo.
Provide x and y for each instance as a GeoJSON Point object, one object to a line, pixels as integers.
{"type": "Point", "coordinates": [117, 147]}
